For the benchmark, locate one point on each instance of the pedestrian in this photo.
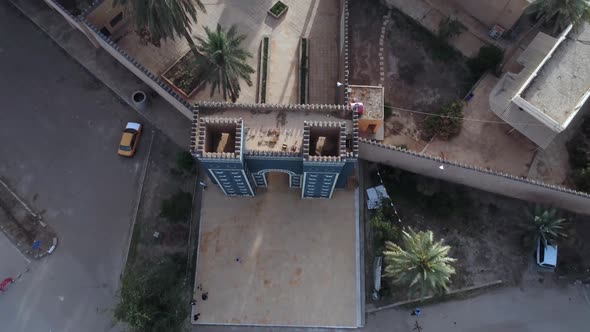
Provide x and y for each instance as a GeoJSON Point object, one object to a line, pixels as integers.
{"type": "Point", "coordinates": [203, 184]}
{"type": "Point", "coordinates": [196, 317]}
{"type": "Point", "coordinates": [193, 302]}
{"type": "Point", "coordinates": [416, 312]}
{"type": "Point", "coordinates": [205, 296]}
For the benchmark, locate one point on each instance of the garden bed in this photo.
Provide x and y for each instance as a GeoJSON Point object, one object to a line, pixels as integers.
{"type": "Point", "coordinates": [183, 76]}
{"type": "Point", "coordinates": [264, 69]}
{"type": "Point", "coordinates": [304, 71]}
{"type": "Point", "coordinates": [278, 9]}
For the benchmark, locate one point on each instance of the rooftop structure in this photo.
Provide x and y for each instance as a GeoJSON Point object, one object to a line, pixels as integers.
{"type": "Point", "coordinates": [562, 85]}
{"type": "Point", "coordinates": [553, 83]}
{"type": "Point", "coordinates": [279, 130]}
{"type": "Point", "coordinates": [239, 144]}
{"type": "Point", "coordinates": [371, 116]}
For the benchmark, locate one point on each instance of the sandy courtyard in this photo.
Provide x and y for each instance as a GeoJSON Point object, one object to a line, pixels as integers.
{"type": "Point", "coordinates": [277, 259]}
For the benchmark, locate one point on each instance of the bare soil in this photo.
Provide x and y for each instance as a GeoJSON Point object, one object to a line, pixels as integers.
{"type": "Point", "coordinates": [415, 76]}
{"type": "Point", "coordinates": [485, 231]}
{"type": "Point", "coordinates": [162, 181]}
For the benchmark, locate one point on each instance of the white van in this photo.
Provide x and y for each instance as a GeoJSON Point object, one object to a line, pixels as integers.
{"type": "Point", "coordinates": [546, 254]}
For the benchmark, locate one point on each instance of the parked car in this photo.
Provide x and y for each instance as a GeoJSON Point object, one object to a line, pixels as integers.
{"type": "Point", "coordinates": [546, 254]}
{"type": "Point", "coordinates": [130, 139]}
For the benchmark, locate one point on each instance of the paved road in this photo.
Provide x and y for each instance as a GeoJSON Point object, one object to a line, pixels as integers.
{"type": "Point", "coordinates": [534, 308]}
{"type": "Point", "coordinates": [12, 261]}
{"type": "Point", "coordinates": [59, 129]}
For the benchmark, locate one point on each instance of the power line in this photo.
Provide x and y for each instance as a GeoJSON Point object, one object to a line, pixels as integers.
{"type": "Point", "coordinates": [467, 119]}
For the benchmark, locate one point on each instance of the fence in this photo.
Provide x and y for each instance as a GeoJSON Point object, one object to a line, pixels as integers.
{"type": "Point", "coordinates": [483, 179]}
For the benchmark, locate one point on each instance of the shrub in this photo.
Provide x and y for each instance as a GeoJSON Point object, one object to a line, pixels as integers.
{"type": "Point", "coordinates": [488, 58]}
{"type": "Point", "coordinates": [441, 50]}
{"type": "Point", "coordinates": [579, 155]}
{"type": "Point", "coordinates": [387, 111]}
{"type": "Point", "coordinates": [449, 28]}
{"type": "Point", "coordinates": [447, 123]}
{"type": "Point", "coordinates": [303, 71]}
{"type": "Point", "coordinates": [579, 151]}
{"type": "Point", "coordinates": [278, 8]}
{"type": "Point", "coordinates": [581, 178]}
{"type": "Point", "coordinates": [178, 207]}
{"type": "Point", "coordinates": [384, 227]}
{"type": "Point", "coordinates": [186, 162]}
{"type": "Point", "coordinates": [265, 46]}
{"type": "Point", "coordinates": [151, 297]}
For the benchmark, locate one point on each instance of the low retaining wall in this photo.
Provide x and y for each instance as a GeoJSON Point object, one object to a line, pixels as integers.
{"type": "Point", "coordinates": [23, 227]}
{"type": "Point", "coordinates": [433, 299]}
{"type": "Point", "coordinates": [483, 179]}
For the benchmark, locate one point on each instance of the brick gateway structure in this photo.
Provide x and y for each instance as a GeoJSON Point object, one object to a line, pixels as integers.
{"type": "Point", "coordinates": [239, 144]}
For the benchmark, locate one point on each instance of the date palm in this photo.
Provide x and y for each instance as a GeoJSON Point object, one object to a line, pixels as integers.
{"type": "Point", "coordinates": [163, 19]}
{"type": "Point", "coordinates": [563, 12]}
{"type": "Point", "coordinates": [421, 264]}
{"type": "Point", "coordinates": [546, 225]}
{"type": "Point", "coordinates": [224, 61]}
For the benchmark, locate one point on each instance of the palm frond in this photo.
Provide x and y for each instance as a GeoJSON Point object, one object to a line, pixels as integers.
{"type": "Point", "coordinates": [422, 263]}
{"type": "Point", "coordinates": [560, 12]}
{"type": "Point", "coordinates": [226, 61]}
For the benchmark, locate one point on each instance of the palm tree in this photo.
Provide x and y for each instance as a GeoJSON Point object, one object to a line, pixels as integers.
{"type": "Point", "coordinates": [563, 12]}
{"type": "Point", "coordinates": [422, 264]}
{"type": "Point", "coordinates": [163, 19]}
{"type": "Point", "coordinates": [223, 61]}
{"type": "Point", "coordinates": [546, 226]}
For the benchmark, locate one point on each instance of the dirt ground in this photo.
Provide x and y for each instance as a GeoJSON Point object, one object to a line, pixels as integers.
{"type": "Point", "coordinates": [484, 230]}
{"type": "Point", "coordinates": [162, 181]}
{"type": "Point", "coordinates": [415, 79]}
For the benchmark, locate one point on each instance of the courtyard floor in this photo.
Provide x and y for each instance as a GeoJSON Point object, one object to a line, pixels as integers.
{"type": "Point", "coordinates": [317, 20]}
{"type": "Point", "coordinates": [277, 259]}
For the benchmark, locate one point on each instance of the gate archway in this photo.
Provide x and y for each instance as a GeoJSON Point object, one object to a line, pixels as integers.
{"type": "Point", "coordinates": [260, 177]}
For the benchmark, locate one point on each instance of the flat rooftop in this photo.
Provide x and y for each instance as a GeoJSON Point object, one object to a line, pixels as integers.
{"type": "Point", "coordinates": [278, 130]}
{"type": "Point", "coordinates": [372, 99]}
{"type": "Point", "coordinates": [278, 260]}
{"type": "Point", "coordinates": [563, 83]}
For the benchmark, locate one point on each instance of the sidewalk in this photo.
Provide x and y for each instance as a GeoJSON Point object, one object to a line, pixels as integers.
{"type": "Point", "coordinates": [106, 69]}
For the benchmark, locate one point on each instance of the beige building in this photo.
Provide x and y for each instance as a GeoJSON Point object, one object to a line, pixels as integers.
{"type": "Point", "coordinates": [551, 85]}
{"type": "Point", "coordinates": [494, 12]}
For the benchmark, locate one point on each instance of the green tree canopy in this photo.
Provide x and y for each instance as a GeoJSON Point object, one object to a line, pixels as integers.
{"type": "Point", "coordinates": [421, 263]}
{"type": "Point", "coordinates": [224, 61]}
{"type": "Point", "coordinates": [546, 225]}
{"type": "Point", "coordinates": [163, 19]}
{"type": "Point", "coordinates": [561, 12]}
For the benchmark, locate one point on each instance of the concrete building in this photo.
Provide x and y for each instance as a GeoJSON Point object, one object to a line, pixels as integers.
{"type": "Point", "coordinates": [238, 145]}
{"type": "Point", "coordinates": [542, 96]}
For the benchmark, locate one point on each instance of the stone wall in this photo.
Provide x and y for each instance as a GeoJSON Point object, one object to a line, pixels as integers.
{"type": "Point", "coordinates": [483, 179]}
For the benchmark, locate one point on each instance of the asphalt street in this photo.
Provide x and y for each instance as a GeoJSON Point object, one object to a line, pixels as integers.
{"type": "Point", "coordinates": [59, 130]}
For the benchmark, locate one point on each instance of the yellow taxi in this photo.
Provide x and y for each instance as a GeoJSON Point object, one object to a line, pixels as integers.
{"type": "Point", "coordinates": [130, 139]}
